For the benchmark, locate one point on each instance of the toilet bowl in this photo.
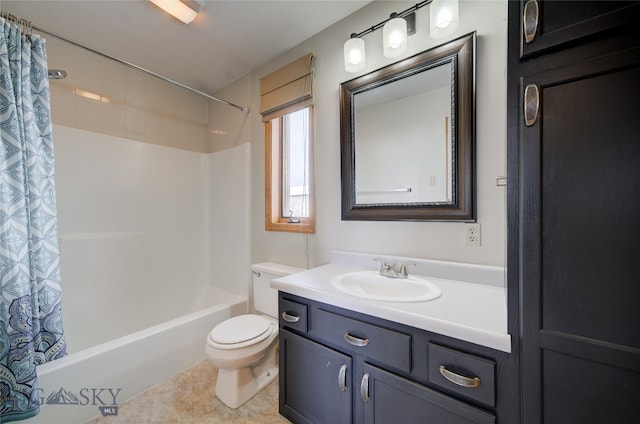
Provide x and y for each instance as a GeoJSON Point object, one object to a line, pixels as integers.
{"type": "Point", "coordinates": [244, 348]}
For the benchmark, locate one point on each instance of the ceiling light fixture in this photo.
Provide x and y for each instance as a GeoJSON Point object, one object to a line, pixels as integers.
{"type": "Point", "coordinates": [185, 10]}
{"type": "Point", "coordinates": [397, 29]}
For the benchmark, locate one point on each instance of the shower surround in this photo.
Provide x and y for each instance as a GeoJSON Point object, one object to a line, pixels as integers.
{"type": "Point", "coordinates": [142, 229]}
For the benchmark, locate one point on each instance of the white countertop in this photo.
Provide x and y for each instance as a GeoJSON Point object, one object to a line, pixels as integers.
{"type": "Point", "coordinates": [472, 311]}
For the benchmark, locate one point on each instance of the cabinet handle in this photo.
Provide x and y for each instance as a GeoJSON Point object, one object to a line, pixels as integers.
{"type": "Point", "coordinates": [364, 387]}
{"type": "Point", "coordinates": [530, 20]}
{"type": "Point", "coordinates": [342, 378]}
{"type": "Point", "coordinates": [531, 104]}
{"type": "Point", "coordinates": [290, 318]}
{"type": "Point", "coordinates": [355, 341]}
{"type": "Point", "coordinates": [458, 379]}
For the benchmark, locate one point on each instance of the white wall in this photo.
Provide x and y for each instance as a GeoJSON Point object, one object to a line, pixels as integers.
{"type": "Point", "coordinates": [435, 240]}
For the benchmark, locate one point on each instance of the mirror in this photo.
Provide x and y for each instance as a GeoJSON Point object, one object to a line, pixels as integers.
{"type": "Point", "coordinates": [407, 138]}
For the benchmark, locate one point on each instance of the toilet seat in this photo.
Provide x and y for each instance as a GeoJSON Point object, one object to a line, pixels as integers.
{"type": "Point", "coordinates": [240, 331]}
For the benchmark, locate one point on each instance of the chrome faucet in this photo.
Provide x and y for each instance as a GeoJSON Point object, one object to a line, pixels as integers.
{"type": "Point", "coordinates": [393, 271]}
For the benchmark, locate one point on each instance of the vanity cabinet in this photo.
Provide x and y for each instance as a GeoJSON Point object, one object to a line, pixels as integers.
{"type": "Point", "coordinates": [316, 381]}
{"type": "Point", "coordinates": [340, 366]}
{"type": "Point", "coordinates": [574, 202]}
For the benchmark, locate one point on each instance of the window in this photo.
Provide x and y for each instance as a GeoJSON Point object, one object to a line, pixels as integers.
{"type": "Point", "coordinates": [288, 183]}
{"type": "Point", "coordinates": [286, 106]}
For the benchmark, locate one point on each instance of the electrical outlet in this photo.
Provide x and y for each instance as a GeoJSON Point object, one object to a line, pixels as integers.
{"type": "Point", "coordinates": [472, 235]}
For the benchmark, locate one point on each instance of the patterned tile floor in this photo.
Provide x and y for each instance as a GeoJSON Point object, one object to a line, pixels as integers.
{"type": "Point", "coordinates": [189, 398]}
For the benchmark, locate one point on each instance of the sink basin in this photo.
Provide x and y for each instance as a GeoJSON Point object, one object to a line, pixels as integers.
{"type": "Point", "coordinates": [372, 285]}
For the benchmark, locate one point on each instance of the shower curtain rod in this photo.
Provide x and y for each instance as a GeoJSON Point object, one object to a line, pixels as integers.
{"type": "Point", "coordinates": [25, 25]}
{"type": "Point", "coordinates": [243, 109]}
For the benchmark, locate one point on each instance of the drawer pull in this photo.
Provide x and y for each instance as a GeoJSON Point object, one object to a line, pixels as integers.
{"type": "Point", "coordinates": [355, 341]}
{"type": "Point", "coordinates": [342, 378]}
{"type": "Point", "coordinates": [364, 387]}
{"type": "Point", "coordinates": [290, 318]}
{"type": "Point", "coordinates": [531, 104]}
{"type": "Point", "coordinates": [530, 20]}
{"type": "Point", "coordinates": [458, 379]}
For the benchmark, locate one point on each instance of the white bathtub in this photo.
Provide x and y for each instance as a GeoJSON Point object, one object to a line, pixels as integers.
{"type": "Point", "coordinates": [93, 380]}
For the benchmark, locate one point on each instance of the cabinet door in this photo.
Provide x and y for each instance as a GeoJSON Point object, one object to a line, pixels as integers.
{"type": "Point", "coordinates": [580, 246]}
{"type": "Point", "coordinates": [389, 398]}
{"type": "Point", "coordinates": [551, 24]}
{"type": "Point", "coordinates": [315, 382]}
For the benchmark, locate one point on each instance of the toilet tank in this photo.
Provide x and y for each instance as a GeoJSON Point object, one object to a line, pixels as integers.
{"type": "Point", "coordinates": [265, 299]}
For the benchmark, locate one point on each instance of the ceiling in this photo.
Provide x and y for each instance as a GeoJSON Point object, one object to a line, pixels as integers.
{"type": "Point", "coordinates": [227, 39]}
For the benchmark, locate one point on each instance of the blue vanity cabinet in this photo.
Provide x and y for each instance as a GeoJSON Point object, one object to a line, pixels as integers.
{"type": "Point", "coordinates": [340, 366]}
{"type": "Point", "coordinates": [315, 386]}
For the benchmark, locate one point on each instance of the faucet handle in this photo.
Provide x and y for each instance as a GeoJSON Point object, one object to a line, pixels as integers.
{"type": "Point", "coordinates": [384, 266]}
{"type": "Point", "coordinates": [380, 259]}
{"type": "Point", "coordinates": [402, 271]}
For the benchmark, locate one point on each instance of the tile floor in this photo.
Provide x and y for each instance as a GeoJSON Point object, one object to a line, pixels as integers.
{"type": "Point", "coordinates": [188, 398]}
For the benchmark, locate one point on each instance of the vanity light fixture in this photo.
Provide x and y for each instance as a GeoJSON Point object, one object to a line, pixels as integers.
{"type": "Point", "coordinates": [185, 10]}
{"type": "Point", "coordinates": [396, 30]}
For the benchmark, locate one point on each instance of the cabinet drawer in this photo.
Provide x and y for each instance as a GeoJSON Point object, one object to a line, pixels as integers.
{"type": "Point", "coordinates": [378, 344]}
{"type": "Point", "coordinates": [293, 315]}
{"type": "Point", "coordinates": [463, 374]}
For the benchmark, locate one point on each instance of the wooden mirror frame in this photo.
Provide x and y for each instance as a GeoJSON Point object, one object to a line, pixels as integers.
{"type": "Point", "coordinates": [461, 54]}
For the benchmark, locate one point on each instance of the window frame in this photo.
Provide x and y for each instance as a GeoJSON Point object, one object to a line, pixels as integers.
{"type": "Point", "coordinates": [275, 220]}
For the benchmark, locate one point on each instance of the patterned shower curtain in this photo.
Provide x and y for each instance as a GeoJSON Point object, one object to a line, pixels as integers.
{"type": "Point", "coordinates": [30, 319]}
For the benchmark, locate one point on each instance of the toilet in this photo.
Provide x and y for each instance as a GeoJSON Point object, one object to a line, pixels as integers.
{"type": "Point", "coordinates": [244, 347]}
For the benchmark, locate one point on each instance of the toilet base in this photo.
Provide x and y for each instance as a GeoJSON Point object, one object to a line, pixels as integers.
{"type": "Point", "coordinates": [234, 387]}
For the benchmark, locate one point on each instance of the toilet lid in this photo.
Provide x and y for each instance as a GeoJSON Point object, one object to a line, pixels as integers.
{"type": "Point", "coordinates": [240, 329]}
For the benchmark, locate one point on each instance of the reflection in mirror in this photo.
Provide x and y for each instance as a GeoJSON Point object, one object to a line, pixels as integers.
{"type": "Point", "coordinates": [407, 138]}
{"type": "Point", "coordinates": [405, 119]}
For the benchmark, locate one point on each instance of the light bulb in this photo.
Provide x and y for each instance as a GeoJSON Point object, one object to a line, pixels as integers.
{"type": "Point", "coordinates": [355, 57]}
{"type": "Point", "coordinates": [395, 39]}
{"type": "Point", "coordinates": [443, 19]}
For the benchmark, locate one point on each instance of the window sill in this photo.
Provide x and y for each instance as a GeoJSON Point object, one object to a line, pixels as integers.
{"type": "Point", "coordinates": [305, 227]}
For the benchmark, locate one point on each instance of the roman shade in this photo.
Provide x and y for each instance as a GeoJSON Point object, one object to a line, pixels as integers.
{"type": "Point", "coordinates": [287, 89]}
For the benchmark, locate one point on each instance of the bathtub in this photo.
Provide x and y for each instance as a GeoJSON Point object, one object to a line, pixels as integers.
{"type": "Point", "coordinates": [94, 381]}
